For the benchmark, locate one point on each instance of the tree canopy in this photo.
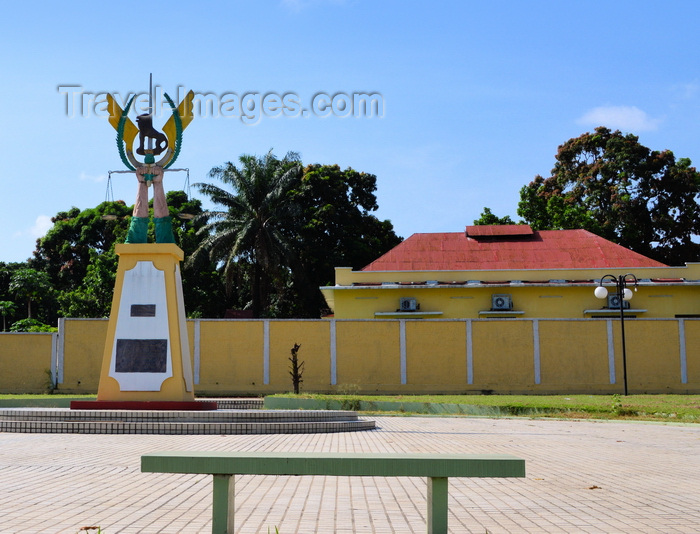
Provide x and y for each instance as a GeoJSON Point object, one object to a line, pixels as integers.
{"type": "Point", "coordinates": [12, 311]}
{"type": "Point", "coordinates": [64, 252]}
{"type": "Point", "coordinates": [30, 285]}
{"type": "Point", "coordinates": [335, 227]}
{"type": "Point", "coordinates": [282, 230]}
{"type": "Point", "coordinates": [488, 218]}
{"type": "Point", "coordinates": [610, 184]}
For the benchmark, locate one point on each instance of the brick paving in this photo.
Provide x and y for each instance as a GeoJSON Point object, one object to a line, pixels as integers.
{"type": "Point", "coordinates": [590, 477]}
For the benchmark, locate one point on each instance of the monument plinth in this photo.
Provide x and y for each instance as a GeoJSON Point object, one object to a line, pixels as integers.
{"type": "Point", "coordinates": [146, 362]}
{"type": "Point", "coordinates": [147, 350]}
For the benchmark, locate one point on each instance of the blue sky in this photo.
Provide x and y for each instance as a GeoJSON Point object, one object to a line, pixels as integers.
{"type": "Point", "coordinates": [476, 96]}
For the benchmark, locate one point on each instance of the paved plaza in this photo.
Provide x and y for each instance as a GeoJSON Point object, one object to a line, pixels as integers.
{"type": "Point", "coordinates": [592, 477]}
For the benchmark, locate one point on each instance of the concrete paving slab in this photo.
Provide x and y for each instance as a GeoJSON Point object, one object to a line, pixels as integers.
{"type": "Point", "coordinates": [587, 476]}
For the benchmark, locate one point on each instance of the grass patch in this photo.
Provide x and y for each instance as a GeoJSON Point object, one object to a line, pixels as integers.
{"type": "Point", "coordinates": [47, 400]}
{"type": "Point", "coordinates": [682, 408]}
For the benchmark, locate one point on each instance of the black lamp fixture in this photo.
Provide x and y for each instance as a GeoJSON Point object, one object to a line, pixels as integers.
{"type": "Point", "coordinates": [623, 294]}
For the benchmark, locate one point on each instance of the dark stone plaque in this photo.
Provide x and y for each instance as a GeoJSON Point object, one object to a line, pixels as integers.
{"type": "Point", "coordinates": [141, 356]}
{"type": "Point", "coordinates": [143, 310]}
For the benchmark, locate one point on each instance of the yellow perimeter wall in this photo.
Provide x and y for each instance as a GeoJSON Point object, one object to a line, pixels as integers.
{"type": "Point", "coordinates": [24, 361]}
{"type": "Point", "coordinates": [239, 357]}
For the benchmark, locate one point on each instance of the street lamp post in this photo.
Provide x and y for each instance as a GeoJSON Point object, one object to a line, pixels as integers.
{"type": "Point", "coordinates": [623, 294]}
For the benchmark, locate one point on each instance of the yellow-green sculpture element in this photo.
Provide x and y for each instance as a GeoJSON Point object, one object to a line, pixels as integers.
{"type": "Point", "coordinates": [127, 131]}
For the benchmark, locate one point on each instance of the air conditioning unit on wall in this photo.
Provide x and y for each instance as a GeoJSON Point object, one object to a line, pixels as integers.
{"type": "Point", "coordinates": [408, 304]}
{"type": "Point", "coordinates": [501, 302]}
{"type": "Point", "coordinates": [614, 303]}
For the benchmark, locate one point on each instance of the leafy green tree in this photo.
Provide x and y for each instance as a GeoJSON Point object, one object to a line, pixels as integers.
{"type": "Point", "coordinates": [610, 184]}
{"type": "Point", "coordinates": [79, 245]}
{"type": "Point", "coordinates": [64, 253]}
{"type": "Point", "coordinates": [488, 218]}
{"type": "Point", "coordinates": [7, 307]}
{"type": "Point", "coordinates": [6, 272]}
{"type": "Point", "coordinates": [334, 227]}
{"type": "Point", "coordinates": [250, 224]}
{"type": "Point", "coordinates": [31, 286]}
{"type": "Point", "coordinates": [93, 297]}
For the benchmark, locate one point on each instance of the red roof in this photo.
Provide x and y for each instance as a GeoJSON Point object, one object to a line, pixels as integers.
{"type": "Point", "coordinates": [545, 249]}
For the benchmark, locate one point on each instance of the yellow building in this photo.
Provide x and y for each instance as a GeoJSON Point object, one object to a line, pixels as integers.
{"type": "Point", "coordinates": [510, 271]}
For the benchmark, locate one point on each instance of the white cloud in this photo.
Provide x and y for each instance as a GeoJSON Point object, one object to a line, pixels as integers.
{"type": "Point", "coordinates": [42, 225]}
{"type": "Point", "coordinates": [627, 118]}
{"type": "Point", "coordinates": [97, 179]}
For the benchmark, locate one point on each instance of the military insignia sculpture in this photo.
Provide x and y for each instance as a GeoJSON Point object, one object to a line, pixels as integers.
{"type": "Point", "coordinates": [146, 360]}
{"type": "Point", "coordinates": [152, 143]}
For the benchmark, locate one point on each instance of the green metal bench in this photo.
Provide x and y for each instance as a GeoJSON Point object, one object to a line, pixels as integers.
{"type": "Point", "coordinates": [436, 467]}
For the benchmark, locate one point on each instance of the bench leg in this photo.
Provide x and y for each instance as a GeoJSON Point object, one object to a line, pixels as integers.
{"type": "Point", "coordinates": [437, 505]}
{"type": "Point", "coordinates": [222, 511]}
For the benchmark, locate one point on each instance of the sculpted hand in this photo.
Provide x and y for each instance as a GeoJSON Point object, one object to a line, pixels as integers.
{"type": "Point", "coordinates": [157, 173]}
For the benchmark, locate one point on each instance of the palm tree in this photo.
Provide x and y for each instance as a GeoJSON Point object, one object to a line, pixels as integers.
{"type": "Point", "coordinates": [252, 222]}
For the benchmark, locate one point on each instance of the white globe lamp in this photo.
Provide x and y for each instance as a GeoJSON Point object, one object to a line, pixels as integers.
{"type": "Point", "coordinates": [601, 292]}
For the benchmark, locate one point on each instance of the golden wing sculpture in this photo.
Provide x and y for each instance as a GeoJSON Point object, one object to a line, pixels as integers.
{"type": "Point", "coordinates": [127, 131]}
